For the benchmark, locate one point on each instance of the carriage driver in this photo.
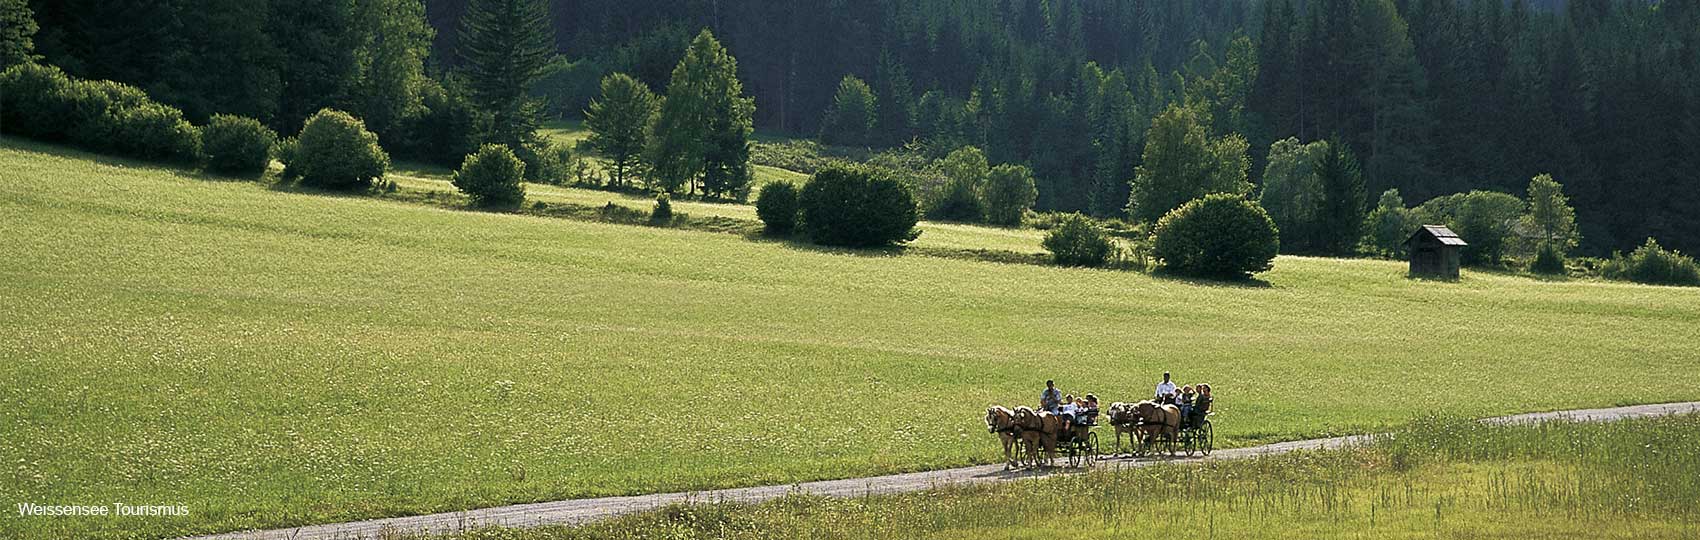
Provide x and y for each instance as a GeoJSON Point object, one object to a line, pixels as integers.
{"type": "Point", "coordinates": [1051, 400]}
{"type": "Point", "coordinates": [1165, 389]}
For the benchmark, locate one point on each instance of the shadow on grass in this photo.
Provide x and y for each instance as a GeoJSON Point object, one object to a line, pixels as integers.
{"type": "Point", "coordinates": [1507, 271]}
{"type": "Point", "coordinates": [1214, 282]}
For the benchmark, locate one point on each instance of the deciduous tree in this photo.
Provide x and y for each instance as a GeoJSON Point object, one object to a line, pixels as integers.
{"type": "Point", "coordinates": [1182, 164]}
{"type": "Point", "coordinates": [619, 123]}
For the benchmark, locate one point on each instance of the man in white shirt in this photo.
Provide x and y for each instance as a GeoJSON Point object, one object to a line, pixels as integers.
{"type": "Point", "coordinates": [1165, 388]}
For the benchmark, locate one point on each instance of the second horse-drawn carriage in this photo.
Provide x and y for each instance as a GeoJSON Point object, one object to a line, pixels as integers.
{"type": "Point", "coordinates": [1155, 428]}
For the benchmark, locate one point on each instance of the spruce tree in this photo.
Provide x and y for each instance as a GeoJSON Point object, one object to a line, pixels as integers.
{"type": "Point", "coordinates": [1342, 213]}
{"type": "Point", "coordinates": [17, 33]}
{"type": "Point", "coordinates": [896, 98]}
{"type": "Point", "coordinates": [503, 46]}
{"type": "Point", "coordinates": [851, 118]}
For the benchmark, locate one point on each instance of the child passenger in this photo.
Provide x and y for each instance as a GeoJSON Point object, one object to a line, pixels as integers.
{"type": "Point", "coordinates": [1186, 402]}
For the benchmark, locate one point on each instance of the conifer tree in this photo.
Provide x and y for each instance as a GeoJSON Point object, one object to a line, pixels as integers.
{"type": "Point", "coordinates": [1342, 212]}
{"type": "Point", "coordinates": [503, 46]}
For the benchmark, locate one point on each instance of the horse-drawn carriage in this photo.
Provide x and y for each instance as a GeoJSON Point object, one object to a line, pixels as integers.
{"type": "Point", "coordinates": [1155, 429]}
{"type": "Point", "coordinates": [1033, 438]}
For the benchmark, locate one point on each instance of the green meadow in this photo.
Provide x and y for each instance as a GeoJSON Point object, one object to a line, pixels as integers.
{"type": "Point", "coordinates": [269, 358]}
{"type": "Point", "coordinates": [1433, 479]}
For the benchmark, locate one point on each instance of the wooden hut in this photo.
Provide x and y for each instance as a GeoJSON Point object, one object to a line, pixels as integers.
{"type": "Point", "coordinates": [1435, 252]}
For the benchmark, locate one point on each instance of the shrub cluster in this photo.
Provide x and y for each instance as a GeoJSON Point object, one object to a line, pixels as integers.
{"type": "Point", "coordinates": [1077, 240]}
{"type": "Point", "coordinates": [1010, 190]}
{"type": "Point", "coordinates": [554, 163]}
{"type": "Point", "coordinates": [237, 145]}
{"type": "Point", "coordinates": [1652, 264]}
{"type": "Point", "coordinates": [776, 205]}
{"type": "Point", "coordinates": [491, 177]}
{"type": "Point", "coordinates": [1220, 235]}
{"type": "Point", "coordinates": [44, 103]}
{"type": "Point", "coordinates": [1548, 261]}
{"type": "Point", "coordinates": [445, 126]}
{"type": "Point", "coordinates": [663, 211]}
{"type": "Point", "coordinates": [334, 151]}
{"type": "Point", "coordinates": [849, 205]}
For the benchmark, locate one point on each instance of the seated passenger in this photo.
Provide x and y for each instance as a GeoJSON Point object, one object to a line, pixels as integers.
{"type": "Point", "coordinates": [1069, 409]}
{"type": "Point", "coordinates": [1089, 411]}
{"type": "Point", "coordinates": [1201, 405]}
{"type": "Point", "coordinates": [1185, 403]}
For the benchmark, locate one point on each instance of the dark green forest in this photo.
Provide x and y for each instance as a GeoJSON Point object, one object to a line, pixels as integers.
{"type": "Point", "coordinates": [1434, 97]}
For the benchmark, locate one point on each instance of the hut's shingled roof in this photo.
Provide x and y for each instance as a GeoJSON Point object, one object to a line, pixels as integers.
{"type": "Point", "coordinates": [1441, 233]}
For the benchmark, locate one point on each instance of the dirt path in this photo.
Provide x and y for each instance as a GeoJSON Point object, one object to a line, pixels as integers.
{"type": "Point", "coordinates": [572, 512]}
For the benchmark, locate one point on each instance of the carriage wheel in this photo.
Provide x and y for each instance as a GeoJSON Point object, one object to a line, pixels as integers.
{"type": "Point", "coordinates": [1091, 449]}
{"type": "Point", "coordinates": [1209, 438]}
{"type": "Point", "coordinates": [1189, 442]}
{"type": "Point", "coordinates": [1074, 454]}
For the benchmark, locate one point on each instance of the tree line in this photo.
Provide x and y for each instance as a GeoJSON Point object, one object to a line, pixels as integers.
{"type": "Point", "coordinates": [1434, 97]}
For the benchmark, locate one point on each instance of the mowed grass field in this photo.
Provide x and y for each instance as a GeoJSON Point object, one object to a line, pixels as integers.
{"type": "Point", "coordinates": [271, 358]}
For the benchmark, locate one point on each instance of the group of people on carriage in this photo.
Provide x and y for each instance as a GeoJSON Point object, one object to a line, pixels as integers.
{"type": "Point", "coordinates": [1193, 402]}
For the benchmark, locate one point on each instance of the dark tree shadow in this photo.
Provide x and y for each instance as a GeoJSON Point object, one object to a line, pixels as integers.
{"type": "Point", "coordinates": [1243, 282]}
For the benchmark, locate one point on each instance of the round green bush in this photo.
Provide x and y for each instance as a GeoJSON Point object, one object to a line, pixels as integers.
{"type": "Point", "coordinates": [1079, 241]}
{"type": "Point", "coordinates": [334, 151]}
{"type": "Point", "coordinates": [959, 202]}
{"type": "Point", "coordinates": [848, 205]}
{"type": "Point", "coordinates": [38, 101]}
{"type": "Point", "coordinates": [153, 132]}
{"type": "Point", "coordinates": [491, 177]}
{"type": "Point", "coordinates": [776, 205]}
{"type": "Point", "coordinates": [1220, 235]}
{"type": "Point", "coordinates": [237, 145]}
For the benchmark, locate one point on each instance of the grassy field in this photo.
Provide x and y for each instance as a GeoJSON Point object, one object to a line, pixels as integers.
{"type": "Point", "coordinates": [271, 358]}
{"type": "Point", "coordinates": [1636, 480]}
